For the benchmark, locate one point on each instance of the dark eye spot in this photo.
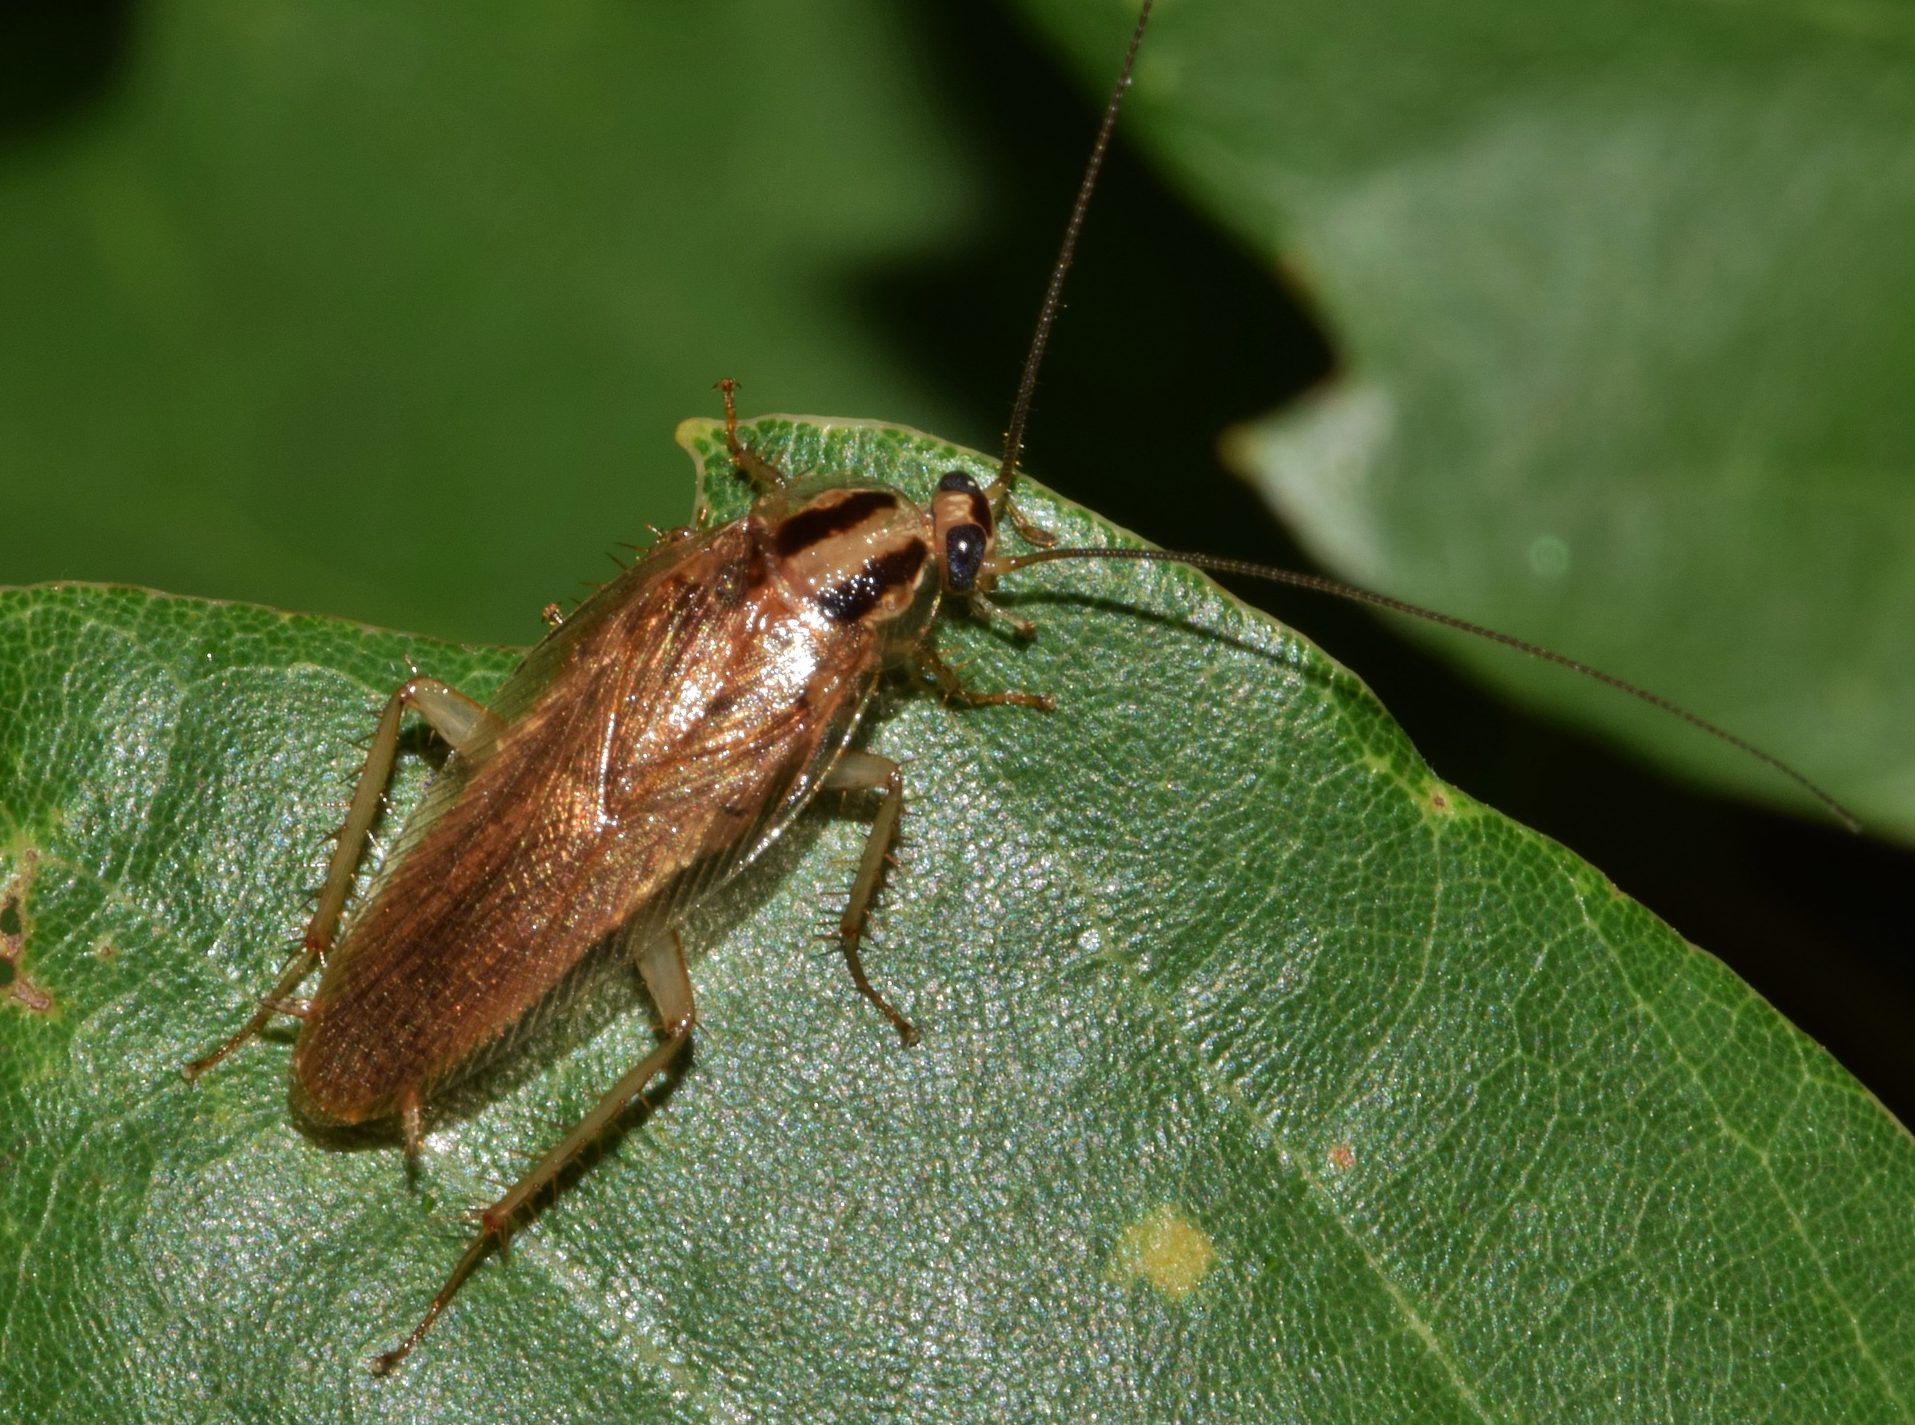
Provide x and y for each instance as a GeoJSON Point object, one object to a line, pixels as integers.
{"type": "Point", "coordinates": [963, 556]}
{"type": "Point", "coordinates": [958, 480]}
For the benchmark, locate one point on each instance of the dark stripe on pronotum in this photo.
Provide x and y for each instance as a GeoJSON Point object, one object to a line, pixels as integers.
{"type": "Point", "coordinates": [820, 522]}
{"type": "Point", "coordinates": [857, 596]}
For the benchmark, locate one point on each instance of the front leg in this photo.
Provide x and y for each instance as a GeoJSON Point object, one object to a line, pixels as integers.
{"type": "Point", "coordinates": [953, 689]}
{"type": "Point", "coordinates": [868, 772]}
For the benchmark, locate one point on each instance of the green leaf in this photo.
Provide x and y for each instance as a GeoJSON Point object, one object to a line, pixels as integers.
{"type": "Point", "coordinates": [1622, 338]}
{"type": "Point", "coordinates": [1263, 1075]}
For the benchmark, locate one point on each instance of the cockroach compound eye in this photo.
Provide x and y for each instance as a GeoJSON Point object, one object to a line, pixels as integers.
{"type": "Point", "coordinates": [964, 530]}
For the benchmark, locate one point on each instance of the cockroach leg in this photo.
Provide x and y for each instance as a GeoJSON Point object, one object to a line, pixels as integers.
{"type": "Point", "coordinates": [455, 717]}
{"type": "Point", "coordinates": [661, 963]}
{"type": "Point", "coordinates": [953, 689]}
{"type": "Point", "coordinates": [748, 462]}
{"type": "Point", "coordinates": [300, 966]}
{"type": "Point", "coordinates": [868, 772]}
{"type": "Point", "coordinates": [985, 609]}
{"type": "Point", "coordinates": [462, 722]}
{"type": "Point", "coordinates": [412, 1123]}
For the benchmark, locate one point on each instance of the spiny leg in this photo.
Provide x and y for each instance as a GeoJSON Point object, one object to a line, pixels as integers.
{"type": "Point", "coordinates": [748, 462]}
{"type": "Point", "coordinates": [456, 718]}
{"type": "Point", "coordinates": [661, 962]}
{"type": "Point", "coordinates": [953, 689]}
{"type": "Point", "coordinates": [868, 772]}
{"type": "Point", "coordinates": [412, 1122]}
{"type": "Point", "coordinates": [984, 608]}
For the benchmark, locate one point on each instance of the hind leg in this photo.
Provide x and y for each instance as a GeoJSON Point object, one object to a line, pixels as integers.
{"type": "Point", "coordinates": [661, 961]}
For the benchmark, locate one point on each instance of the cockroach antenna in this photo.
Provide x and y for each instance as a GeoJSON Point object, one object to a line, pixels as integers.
{"type": "Point", "coordinates": [1054, 292]}
{"type": "Point", "coordinates": [1351, 593]}
{"type": "Point", "coordinates": [999, 490]}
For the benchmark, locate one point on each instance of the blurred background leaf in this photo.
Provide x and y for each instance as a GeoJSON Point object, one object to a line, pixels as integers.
{"type": "Point", "coordinates": [1623, 339]}
{"type": "Point", "coordinates": [388, 312]}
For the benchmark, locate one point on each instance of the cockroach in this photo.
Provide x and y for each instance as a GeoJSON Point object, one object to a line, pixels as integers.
{"type": "Point", "coordinates": [655, 742]}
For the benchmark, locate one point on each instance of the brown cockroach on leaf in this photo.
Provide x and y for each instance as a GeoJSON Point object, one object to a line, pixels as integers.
{"type": "Point", "coordinates": [655, 742]}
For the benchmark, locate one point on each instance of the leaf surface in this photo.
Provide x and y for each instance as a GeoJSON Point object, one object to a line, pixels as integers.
{"type": "Point", "coordinates": [1264, 1076]}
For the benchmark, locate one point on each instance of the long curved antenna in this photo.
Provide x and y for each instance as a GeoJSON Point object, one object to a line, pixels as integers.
{"type": "Point", "coordinates": [1053, 294]}
{"type": "Point", "coordinates": [1336, 588]}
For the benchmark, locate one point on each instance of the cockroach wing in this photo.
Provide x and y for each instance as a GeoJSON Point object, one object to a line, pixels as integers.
{"type": "Point", "coordinates": [651, 745]}
{"type": "Point", "coordinates": [548, 659]}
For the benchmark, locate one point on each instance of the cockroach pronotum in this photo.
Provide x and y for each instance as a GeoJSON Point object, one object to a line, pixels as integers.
{"type": "Point", "coordinates": [651, 745]}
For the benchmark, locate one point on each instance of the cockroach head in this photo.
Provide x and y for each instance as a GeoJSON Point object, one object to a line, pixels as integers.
{"type": "Point", "coordinates": [964, 530]}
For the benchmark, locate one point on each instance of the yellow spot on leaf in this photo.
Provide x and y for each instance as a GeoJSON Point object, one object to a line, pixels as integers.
{"type": "Point", "coordinates": [1167, 1250]}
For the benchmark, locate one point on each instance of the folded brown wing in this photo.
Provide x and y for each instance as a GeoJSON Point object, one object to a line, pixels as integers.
{"type": "Point", "coordinates": [663, 738]}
